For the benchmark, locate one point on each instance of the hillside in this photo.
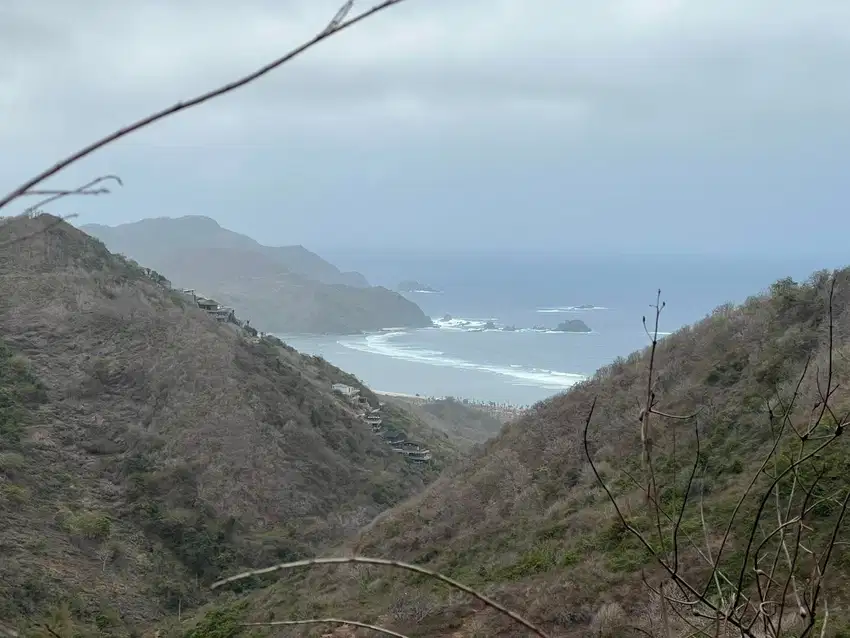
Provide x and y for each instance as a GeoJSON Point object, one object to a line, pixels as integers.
{"type": "Point", "coordinates": [159, 237]}
{"type": "Point", "coordinates": [525, 521]}
{"type": "Point", "coordinates": [145, 449]}
{"type": "Point", "coordinates": [287, 289]}
{"type": "Point", "coordinates": [465, 424]}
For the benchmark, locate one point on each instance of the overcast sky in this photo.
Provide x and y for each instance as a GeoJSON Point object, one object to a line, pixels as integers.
{"type": "Point", "coordinates": [711, 126]}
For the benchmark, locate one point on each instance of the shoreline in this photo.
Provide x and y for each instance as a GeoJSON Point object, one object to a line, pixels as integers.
{"type": "Point", "coordinates": [503, 411]}
{"type": "Point", "coordinates": [404, 395]}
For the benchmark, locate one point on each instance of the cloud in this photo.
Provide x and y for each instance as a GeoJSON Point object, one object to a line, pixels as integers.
{"type": "Point", "coordinates": [496, 99]}
{"type": "Point", "coordinates": [425, 64]}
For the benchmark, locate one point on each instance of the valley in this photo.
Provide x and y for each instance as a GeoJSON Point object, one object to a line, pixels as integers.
{"type": "Point", "coordinates": [150, 450]}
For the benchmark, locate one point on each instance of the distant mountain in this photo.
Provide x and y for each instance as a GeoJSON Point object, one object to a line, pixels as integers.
{"type": "Point", "coordinates": [279, 288]}
{"type": "Point", "coordinates": [158, 237]}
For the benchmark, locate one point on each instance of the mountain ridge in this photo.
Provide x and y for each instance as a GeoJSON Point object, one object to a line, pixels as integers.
{"type": "Point", "coordinates": [289, 289]}
{"type": "Point", "coordinates": [146, 448]}
{"type": "Point", "coordinates": [524, 520]}
{"type": "Point", "coordinates": [198, 231]}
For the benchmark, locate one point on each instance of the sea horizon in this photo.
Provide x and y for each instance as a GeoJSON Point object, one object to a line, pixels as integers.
{"type": "Point", "coordinates": [478, 362]}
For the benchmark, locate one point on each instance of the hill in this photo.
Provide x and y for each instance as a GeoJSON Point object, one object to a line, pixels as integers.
{"type": "Point", "coordinates": [466, 425]}
{"type": "Point", "coordinates": [145, 449]}
{"type": "Point", "coordinates": [287, 289]}
{"type": "Point", "coordinates": [755, 401]}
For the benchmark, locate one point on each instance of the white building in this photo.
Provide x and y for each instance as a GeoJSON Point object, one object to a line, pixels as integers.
{"type": "Point", "coordinates": [345, 390]}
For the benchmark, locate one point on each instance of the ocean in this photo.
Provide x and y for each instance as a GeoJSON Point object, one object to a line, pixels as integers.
{"type": "Point", "coordinates": [463, 358]}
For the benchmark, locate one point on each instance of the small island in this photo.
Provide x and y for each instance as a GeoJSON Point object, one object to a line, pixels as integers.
{"type": "Point", "coordinates": [573, 325]}
{"type": "Point", "coordinates": [414, 286]}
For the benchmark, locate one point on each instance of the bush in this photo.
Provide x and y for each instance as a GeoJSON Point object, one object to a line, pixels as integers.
{"type": "Point", "coordinates": [10, 462]}
{"type": "Point", "coordinates": [16, 494]}
{"type": "Point", "coordinates": [221, 622]}
{"type": "Point", "coordinates": [95, 526]}
{"type": "Point", "coordinates": [609, 621]}
{"type": "Point", "coordinates": [20, 391]}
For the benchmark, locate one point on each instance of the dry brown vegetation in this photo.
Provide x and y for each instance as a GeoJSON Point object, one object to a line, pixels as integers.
{"type": "Point", "coordinates": [526, 522]}
{"type": "Point", "coordinates": [465, 424]}
{"type": "Point", "coordinates": [145, 448]}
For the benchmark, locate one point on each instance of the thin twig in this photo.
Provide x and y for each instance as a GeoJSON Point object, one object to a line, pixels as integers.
{"type": "Point", "coordinates": [47, 191]}
{"type": "Point", "coordinates": [200, 99]}
{"type": "Point", "coordinates": [31, 211]}
{"type": "Point", "coordinates": [758, 473]}
{"type": "Point", "coordinates": [681, 582]}
{"type": "Point", "coordinates": [85, 189]}
{"type": "Point", "coordinates": [326, 621]}
{"type": "Point", "coordinates": [685, 500]}
{"type": "Point", "coordinates": [310, 562]}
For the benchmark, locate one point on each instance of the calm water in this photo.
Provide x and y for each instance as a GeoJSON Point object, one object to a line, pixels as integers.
{"type": "Point", "coordinates": [526, 366]}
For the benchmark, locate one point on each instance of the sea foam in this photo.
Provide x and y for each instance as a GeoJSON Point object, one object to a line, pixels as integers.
{"type": "Point", "coordinates": [382, 344]}
{"type": "Point", "coordinates": [565, 309]}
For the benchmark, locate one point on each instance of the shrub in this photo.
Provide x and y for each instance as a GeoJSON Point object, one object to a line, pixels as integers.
{"type": "Point", "coordinates": [11, 462]}
{"type": "Point", "coordinates": [16, 494]}
{"type": "Point", "coordinates": [221, 622]}
{"type": "Point", "coordinates": [94, 526]}
{"type": "Point", "coordinates": [609, 621]}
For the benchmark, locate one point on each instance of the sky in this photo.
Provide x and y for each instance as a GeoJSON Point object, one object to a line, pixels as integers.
{"type": "Point", "coordinates": [640, 126]}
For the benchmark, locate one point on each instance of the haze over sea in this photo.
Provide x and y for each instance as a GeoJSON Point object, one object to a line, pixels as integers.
{"type": "Point", "coordinates": [525, 366]}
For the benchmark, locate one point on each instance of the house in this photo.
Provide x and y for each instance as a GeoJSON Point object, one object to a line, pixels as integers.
{"type": "Point", "coordinates": [345, 390]}
{"type": "Point", "coordinates": [207, 304]}
{"type": "Point", "coordinates": [418, 454]}
{"type": "Point", "coordinates": [223, 314]}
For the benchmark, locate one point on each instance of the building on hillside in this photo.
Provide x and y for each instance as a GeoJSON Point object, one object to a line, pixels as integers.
{"type": "Point", "coordinates": [345, 390]}
{"type": "Point", "coordinates": [207, 304]}
{"type": "Point", "coordinates": [413, 452]}
{"type": "Point", "coordinates": [223, 314]}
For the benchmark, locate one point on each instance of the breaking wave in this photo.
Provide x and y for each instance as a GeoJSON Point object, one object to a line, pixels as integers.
{"type": "Point", "coordinates": [565, 309]}
{"type": "Point", "coordinates": [382, 344]}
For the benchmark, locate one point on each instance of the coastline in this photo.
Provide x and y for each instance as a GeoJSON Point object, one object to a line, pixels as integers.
{"type": "Point", "coordinates": [501, 411]}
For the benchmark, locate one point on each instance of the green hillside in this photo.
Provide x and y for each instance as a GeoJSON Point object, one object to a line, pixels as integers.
{"type": "Point", "coordinates": [748, 408]}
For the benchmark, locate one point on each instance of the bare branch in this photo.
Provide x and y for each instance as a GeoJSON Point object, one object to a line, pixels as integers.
{"type": "Point", "coordinates": [310, 562]}
{"type": "Point", "coordinates": [680, 582]}
{"type": "Point", "coordinates": [752, 483]}
{"type": "Point", "coordinates": [47, 191]}
{"type": "Point", "coordinates": [830, 547]}
{"type": "Point", "coordinates": [85, 189]}
{"type": "Point", "coordinates": [326, 621]}
{"type": "Point", "coordinates": [339, 17]}
{"type": "Point", "coordinates": [200, 99]}
{"type": "Point", "coordinates": [685, 501]}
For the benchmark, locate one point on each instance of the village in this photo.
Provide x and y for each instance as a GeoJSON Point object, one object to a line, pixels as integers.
{"type": "Point", "coordinates": [397, 441]}
{"type": "Point", "coordinates": [503, 412]}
